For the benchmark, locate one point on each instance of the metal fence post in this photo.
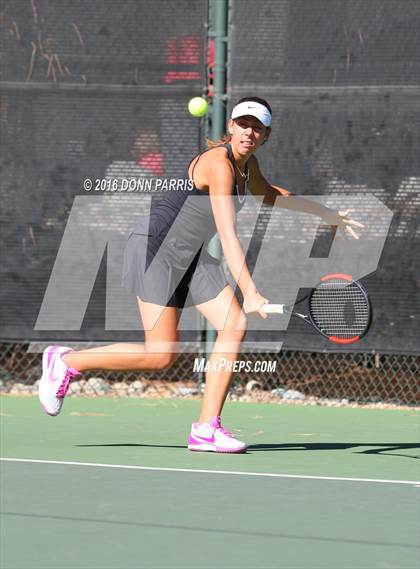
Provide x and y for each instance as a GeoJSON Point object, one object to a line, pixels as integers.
{"type": "Point", "coordinates": [218, 20]}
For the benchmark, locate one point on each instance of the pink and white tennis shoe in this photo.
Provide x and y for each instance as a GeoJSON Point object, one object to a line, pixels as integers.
{"type": "Point", "coordinates": [55, 380]}
{"type": "Point", "coordinates": [213, 437]}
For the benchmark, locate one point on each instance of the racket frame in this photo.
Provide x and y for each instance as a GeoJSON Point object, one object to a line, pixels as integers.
{"type": "Point", "coordinates": [284, 309]}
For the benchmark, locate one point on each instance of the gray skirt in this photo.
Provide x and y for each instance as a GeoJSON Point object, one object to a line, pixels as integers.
{"type": "Point", "coordinates": [169, 274]}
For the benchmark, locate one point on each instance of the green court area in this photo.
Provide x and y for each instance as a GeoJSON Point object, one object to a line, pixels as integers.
{"type": "Point", "coordinates": [110, 484]}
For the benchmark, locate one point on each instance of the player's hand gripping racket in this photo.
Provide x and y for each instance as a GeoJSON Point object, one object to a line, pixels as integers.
{"type": "Point", "coordinates": [338, 308]}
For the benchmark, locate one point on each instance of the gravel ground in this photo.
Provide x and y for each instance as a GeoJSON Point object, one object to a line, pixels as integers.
{"type": "Point", "coordinates": [155, 389]}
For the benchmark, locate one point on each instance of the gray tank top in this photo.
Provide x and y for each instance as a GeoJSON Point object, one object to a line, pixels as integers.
{"type": "Point", "coordinates": [191, 210]}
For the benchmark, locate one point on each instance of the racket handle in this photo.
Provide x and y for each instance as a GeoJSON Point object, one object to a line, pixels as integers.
{"type": "Point", "coordinates": [273, 308]}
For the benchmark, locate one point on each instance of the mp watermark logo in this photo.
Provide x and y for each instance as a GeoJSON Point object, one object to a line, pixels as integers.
{"type": "Point", "coordinates": [279, 245]}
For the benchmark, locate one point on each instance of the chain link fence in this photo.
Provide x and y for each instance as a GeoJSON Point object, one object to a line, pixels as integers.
{"type": "Point", "coordinates": [99, 90]}
{"type": "Point", "coordinates": [288, 375]}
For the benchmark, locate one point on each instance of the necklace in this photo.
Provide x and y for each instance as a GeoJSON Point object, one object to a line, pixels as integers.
{"type": "Point", "coordinates": [244, 175]}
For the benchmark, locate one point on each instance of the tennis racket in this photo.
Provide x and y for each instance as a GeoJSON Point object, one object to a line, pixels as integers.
{"type": "Point", "coordinates": [338, 308]}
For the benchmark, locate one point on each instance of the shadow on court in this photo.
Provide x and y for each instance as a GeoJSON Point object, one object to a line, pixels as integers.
{"type": "Point", "coordinates": [382, 448]}
{"type": "Point", "coordinates": [130, 485]}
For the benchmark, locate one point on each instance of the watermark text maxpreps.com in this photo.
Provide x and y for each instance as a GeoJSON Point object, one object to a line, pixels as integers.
{"type": "Point", "coordinates": [223, 364]}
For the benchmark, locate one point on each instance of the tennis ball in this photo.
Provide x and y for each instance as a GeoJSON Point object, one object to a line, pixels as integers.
{"type": "Point", "coordinates": [198, 107]}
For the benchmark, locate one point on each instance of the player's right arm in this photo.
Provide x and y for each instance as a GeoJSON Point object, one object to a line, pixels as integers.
{"type": "Point", "coordinates": [220, 176]}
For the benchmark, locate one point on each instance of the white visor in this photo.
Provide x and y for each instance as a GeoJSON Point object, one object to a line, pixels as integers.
{"type": "Point", "coordinates": [254, 109]}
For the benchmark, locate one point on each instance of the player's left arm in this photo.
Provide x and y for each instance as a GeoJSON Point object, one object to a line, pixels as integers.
{"type": "Point", "coordinates": [269, 193]}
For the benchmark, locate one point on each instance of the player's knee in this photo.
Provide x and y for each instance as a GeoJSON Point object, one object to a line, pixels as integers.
{"type": "Point", "coordinates": [242, 322]}
{"type": "Point", "coordinates": [164, 361]}
{"type": "Point", "coordinates": [161, 355]}
{"type": "Point", "coordinates": [231, 335]}
{"type": "Point", "coordinates": [236, 324]}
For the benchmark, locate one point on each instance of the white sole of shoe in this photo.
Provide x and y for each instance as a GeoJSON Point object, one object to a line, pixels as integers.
{"type": "Point", "coordinates": [43, 384]}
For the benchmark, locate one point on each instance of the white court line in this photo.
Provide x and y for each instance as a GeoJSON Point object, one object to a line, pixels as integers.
{"type": "Point", "coordinates": [197, 471]}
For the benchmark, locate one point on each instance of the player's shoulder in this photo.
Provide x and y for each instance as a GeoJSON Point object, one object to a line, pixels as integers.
{"type": "Point", "coordinates": [216, 160]}
{"type": "Point", "coordinates": [217, 153]}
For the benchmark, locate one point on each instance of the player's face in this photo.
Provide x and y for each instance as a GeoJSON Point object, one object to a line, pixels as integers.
{"type": "Point", "coordinates": [248, 133]}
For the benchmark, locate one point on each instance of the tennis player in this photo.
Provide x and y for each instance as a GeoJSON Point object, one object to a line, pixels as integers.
{"type": "Point", "coordinates": [166, 266]}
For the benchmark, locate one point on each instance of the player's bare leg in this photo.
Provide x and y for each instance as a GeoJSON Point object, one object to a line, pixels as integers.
{"type": "Point", "coordinates": [159, 350]}
{"type": "Point", "coordinates": [61, 364]}
{"type": "Point", "coordinates": [224, 314]}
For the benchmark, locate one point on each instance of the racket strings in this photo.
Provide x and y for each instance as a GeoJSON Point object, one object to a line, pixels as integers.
{"type": "Point", "coordinates": [340, 309]}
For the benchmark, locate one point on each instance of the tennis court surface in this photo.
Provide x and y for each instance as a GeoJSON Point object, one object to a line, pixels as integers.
{"type": "Point", "coordinates": [110, 484]}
